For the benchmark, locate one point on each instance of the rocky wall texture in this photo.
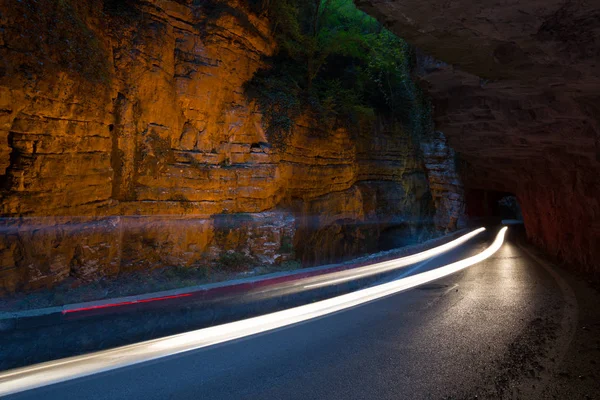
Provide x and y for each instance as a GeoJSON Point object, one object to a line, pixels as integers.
{"type": "Point", "coordinates": [518, 95]}
{"type": "Point", "coordinates": [444, 182]}
{"type": "Point", "coordinates": [126, 142]}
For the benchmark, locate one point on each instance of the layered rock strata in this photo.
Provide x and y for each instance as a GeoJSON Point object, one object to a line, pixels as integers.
{"type": "Point", "coordinates": [135, 147]}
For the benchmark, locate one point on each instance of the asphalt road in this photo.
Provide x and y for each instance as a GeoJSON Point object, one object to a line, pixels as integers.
{"type": "Point", "coordinates": [499, 329]}
{"type": "Point", "coordinates": [83, 334]}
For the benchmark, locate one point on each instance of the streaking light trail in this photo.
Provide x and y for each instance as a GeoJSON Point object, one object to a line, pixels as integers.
{"type": "Point", "coordinates": [124, 303]}
{"type": "Point", "coordinates": [298, 284]}
{"type": "Point", "coordinates": [385, 266]}
{"type": "Point", "coordinates": [36, 376]}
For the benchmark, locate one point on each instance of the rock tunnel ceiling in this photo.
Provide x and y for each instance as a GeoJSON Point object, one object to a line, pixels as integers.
{"type": "Point", "coordinates": [517, 93]}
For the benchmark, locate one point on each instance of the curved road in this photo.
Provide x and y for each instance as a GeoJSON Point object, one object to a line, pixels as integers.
{"type": "Point", "coordinates": [499, 329]}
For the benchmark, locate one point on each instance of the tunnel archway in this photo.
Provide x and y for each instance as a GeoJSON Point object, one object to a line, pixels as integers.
{"type": "Point", "coordinates": [492, 205]}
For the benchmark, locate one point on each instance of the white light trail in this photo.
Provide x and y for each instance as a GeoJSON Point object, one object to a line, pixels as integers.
{"type": "Point", "coordinates": [44, 374]}
{"type": "Point", "coordinates": [385, 266]}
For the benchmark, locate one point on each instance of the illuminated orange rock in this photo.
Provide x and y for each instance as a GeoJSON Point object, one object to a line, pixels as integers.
{"type": "Point", "coordinates": [131, 147]}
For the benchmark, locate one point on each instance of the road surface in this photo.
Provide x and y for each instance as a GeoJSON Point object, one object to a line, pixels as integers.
{"type": "Point", "coordinates": [501, 328]}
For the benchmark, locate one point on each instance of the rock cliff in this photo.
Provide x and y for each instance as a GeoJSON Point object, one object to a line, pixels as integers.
{"type": "Point", "coordinates": [517, 95]}
{"type": "Point", "coordinates": [126, 142]}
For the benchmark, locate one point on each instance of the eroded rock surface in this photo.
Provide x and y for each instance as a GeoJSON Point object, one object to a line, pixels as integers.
{"type": "Point", "coordinates": [518, 96]}
{"type": "Point", "coordinates": [444, 181]}
{"type": "Point", "coordinates": [112, 112]}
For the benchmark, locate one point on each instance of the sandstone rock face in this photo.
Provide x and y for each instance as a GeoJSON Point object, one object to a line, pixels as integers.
{"type": "Point", "coordinates": [347, 191]}
{"type": "Point", "coordinates": [518, 97]}
{"type": "Point", "coordinates": [444, 181]}
{"type": "Point", "coordinates": [135, 147]}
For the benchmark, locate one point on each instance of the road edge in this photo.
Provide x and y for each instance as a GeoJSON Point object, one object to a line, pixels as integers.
{"type": "Point", "coordinates": [46, 315]}
{"type": "Point", "coordinates": [568, 325]}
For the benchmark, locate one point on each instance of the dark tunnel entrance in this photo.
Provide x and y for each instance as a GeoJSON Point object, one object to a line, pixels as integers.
{"type": "Point", "coordinates": [492, 205]}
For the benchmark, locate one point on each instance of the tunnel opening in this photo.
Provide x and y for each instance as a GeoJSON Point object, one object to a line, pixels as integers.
{"type": "Point", "coordinates": [491, 206]}
{"type": "Point", "coordinates": [509, 208]}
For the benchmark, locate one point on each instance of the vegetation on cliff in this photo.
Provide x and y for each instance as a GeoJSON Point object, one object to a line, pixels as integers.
{"type": "Point", "coordinates": [62, 40]}
{"type": "Point", "coordinates": [335, 64]}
